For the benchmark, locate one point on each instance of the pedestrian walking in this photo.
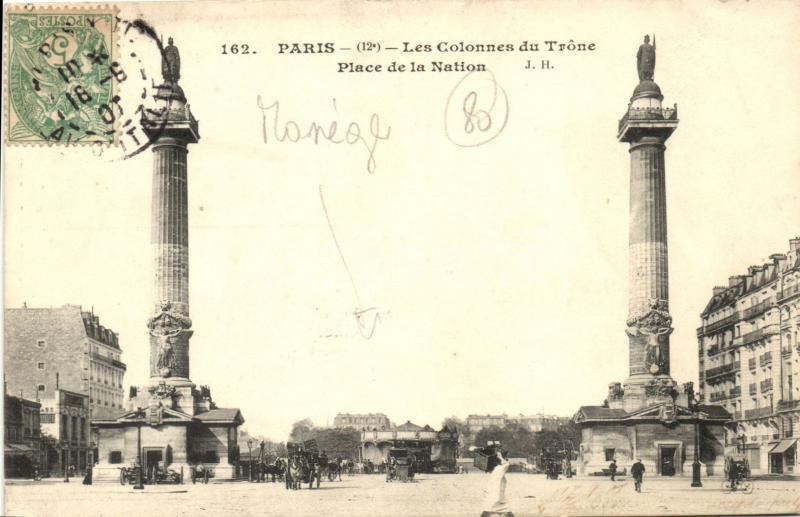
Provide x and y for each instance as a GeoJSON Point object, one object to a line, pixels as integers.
{"type": "Point", "coordinates": [637, 471]}
{"type": "Point", "coordinates": [613, 468]}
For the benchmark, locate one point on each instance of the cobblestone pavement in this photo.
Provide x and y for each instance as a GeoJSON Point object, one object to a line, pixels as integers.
{"type": "Point", "coordinates": [440, 495]}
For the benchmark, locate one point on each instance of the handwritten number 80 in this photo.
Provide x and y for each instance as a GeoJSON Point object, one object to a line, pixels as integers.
{"type": "Point", "coordinates": [475, 119]}
{"type": "Point", "coordinates": [244, 48]}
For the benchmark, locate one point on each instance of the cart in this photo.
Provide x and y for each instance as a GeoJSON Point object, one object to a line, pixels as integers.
{"type": "Point", "coordinates": [737, 475]}
{"type": "Point", "coordinates": [400, 466]}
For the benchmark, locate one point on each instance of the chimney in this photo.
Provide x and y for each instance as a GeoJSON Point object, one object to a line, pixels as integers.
{"type": "Point", "coordinates": [794, 244]}
{"type": "Point", "coordinates": [778, 260]}
{"type": "Point", "coordinates": [735, 280]}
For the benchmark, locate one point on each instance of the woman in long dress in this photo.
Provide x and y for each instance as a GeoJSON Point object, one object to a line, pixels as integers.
{"type": "Point", "coordinates": [495, 503]}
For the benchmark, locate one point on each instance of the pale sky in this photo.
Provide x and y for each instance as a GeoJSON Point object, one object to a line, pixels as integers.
{"type": "Point", "coordinates": [499, 271]}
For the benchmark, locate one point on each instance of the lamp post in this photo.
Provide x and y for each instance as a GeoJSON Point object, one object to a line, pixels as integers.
{"type": "Point", "coordinates": [261, 463]}
{"type": "Point", "coordinates": [696, 463]}
{"type": "Point", "coordinates": [138, 485]}
{"type": "Point", "coordinates": [250, 460]}
{"type": "Point", "coordinates": [66, 462]}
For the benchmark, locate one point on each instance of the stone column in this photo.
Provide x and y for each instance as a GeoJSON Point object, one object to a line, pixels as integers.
{"type": "Point", "coordinates": [170, 128]}
{"type": "Point", "coordinates": [648, 281]}
{"type": "Point", "coordinates": [170, 244]}
{"type": "Point", "coordinates": [646, 126]}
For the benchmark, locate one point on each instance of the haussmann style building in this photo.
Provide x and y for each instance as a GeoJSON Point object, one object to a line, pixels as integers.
{"type": "Point", "coordinates": [170, 423]}
{"type": "Point", "coordinates": [648, 416]}
{"type": "Point", "coordinates": [66, 359]}
{"type": "Point", "coordinates": [749, 357]}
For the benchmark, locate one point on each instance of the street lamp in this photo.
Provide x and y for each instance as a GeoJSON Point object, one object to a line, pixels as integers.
{"type": "Point", "coordinates": [696, 463]}
{"type": "Point", "coordinates": [250, 460]}
{"type": "Point", "coordinates": [66, 462]}
{"type": "Point", "coordinates": [138, 485]}
{"type": "Point", "coordinates": [261, 463]}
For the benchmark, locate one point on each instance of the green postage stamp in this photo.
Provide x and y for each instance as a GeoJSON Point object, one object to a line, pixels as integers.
{"type": "Point", "coordinates": [60, 75]}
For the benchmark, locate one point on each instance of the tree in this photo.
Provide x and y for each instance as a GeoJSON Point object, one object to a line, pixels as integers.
{"type": "Point", "coordinates": [517, 439]}
{"type": "Point", "coordinates": [338, 442]}
{"type": "Point", "coordinates": [465, 434]}
{"type": "Point", "coordinates": [301, 430]}
{"type": "Point", "coordinates": [566, 438]}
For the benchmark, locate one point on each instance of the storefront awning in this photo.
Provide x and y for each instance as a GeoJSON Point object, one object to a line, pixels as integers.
{"type": "Point", "coordinates": [783, 445]}
{"type": "Point", "coordinates": [15, 448]}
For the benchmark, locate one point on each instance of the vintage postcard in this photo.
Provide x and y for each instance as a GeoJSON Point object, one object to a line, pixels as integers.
{"type": "Point", "coordinates": [432, 258]}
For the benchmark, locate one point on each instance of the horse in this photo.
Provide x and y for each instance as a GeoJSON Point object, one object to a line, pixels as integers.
{"type": "Point", "coordinates": [294, 474]}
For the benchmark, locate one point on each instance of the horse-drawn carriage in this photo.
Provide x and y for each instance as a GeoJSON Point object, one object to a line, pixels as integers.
{"type": "Point", "coordinates": [302, 465]}
{"type": "Point", "coordinates": [737, 474]}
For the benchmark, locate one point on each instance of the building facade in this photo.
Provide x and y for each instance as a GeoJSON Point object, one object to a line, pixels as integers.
{"type": "Point", "coordinates": [22, 437]}
{"type": "Point", "coordinates": [648, 416]}
{"type": "Point", "coordinates": [53, 351]}
{"type": "Point", "coordinates": [749, 360]}
{"type": "Point", "coordinates": [65, 347]}
{"type": "Point", "coordinates": [66, 422]}
{"type": "Point", "coordinates": [360, 421]}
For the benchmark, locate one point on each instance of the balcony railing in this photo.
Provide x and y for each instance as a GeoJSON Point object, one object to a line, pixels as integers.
{"type": "Point", "coordinates": [788, 292]}
{"type": "Point", "coordinates": [720, 395]}
{"type": "Point", "coordinates": [785, 405]}
{"type": "Point", "coordinates": [722, 370]}
{"type": "Point", "coordinates": [650, 113]}
{"type": "Point", "coordinates": [736, 391]}
{"type": "Point", "coordinates": [752, 337]}
{"type": "Point", "coordinates": [765, 359]}
{"type": "Point", "coordinates": [718, 325]}
{"type": "Point", "coordinates": [758, 412]}
{"type": "Point", "coordinates": [766, 385]}
{"type": "Point", "coordinates": [758, 308]}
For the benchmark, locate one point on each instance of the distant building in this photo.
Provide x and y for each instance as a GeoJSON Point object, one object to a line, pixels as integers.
{"type": "Point", "coordinates": [22, 436]}
{"type": "Point", "coordinates": [65, 347]}
{"type": "Point", "coordinates": [362, 420]}
{"type": "Point", "coordinates": [434, 451]}
{"type": "Point", "coordinates": [534, 423]}
{"type": "Point", "coordinates": [749, 360]}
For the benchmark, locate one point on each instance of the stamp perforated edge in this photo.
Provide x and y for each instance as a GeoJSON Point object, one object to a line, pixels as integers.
{"type": "Point", "coordinates": [82, 8]}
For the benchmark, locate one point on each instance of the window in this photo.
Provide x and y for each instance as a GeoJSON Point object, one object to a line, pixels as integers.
{"type": "Point", "coordinates": [610, 454]}
{"type": "Point", "coordinates": [41, 387]}
{"type": "Point", "coordinates": [115, 457]}
{"type": "Point", "coordinates": [48, 418]}
{"type": "Point", "coordinates": [40, 366]}
{"type": "Point", "coordinates": [211, 457]}
{"type": "Point", "coordinates": [41, 343]}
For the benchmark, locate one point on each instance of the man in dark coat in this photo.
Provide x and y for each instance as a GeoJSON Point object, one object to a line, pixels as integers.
{"type": "Point", "coordinates": [613, 468]}
{"type": "Point", "coordinates": [637, 471]}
